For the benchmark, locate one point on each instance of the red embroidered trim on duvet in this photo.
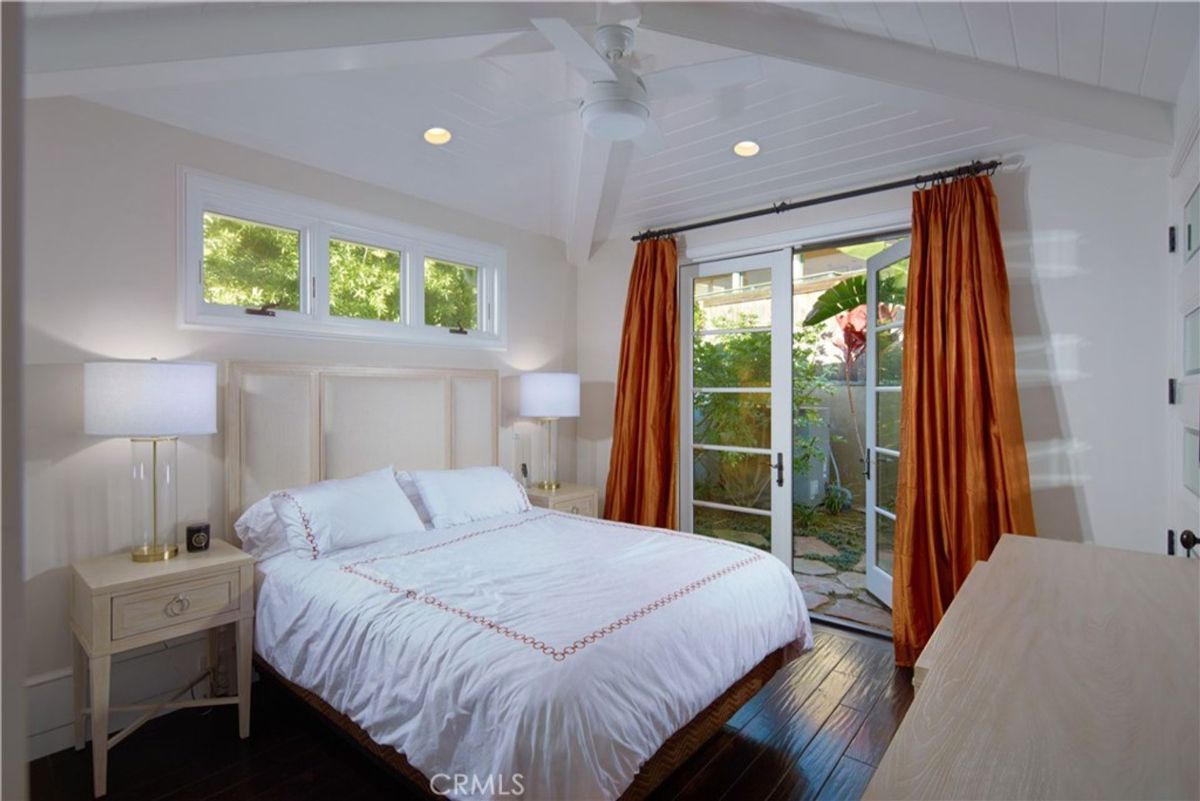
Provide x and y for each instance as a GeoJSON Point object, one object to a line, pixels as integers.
{"type": "Point", "coordinates": [557, 654]}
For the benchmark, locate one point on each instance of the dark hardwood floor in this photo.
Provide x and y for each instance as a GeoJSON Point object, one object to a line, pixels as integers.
{"type": "Point", "coordinates": [816, 731]}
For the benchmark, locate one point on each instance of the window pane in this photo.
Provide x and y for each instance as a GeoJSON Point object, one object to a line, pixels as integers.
{"type": "Point", "coordinates": [890, 289]}
{"type": "Point", "coordinates": [250, 264]}
{"type": "Point", "coordinates": [732, 478]}
{"type": "Point", "coordinates": [451, 295]}
{"type": "Point", "coordinates": [1191, 461]}
{"type": "Point", "coordinates": [364, 281]}
{"type": "Point", "coordinates": [732, 360]}
{"type": "Point", "coordinates": [732, 300]}
{"type": "Point", "coordinates": [885, 543]}
{"type": "Point", "coordinates": [889, 474]}
{"type": "Point", "coordinates": [889, 354]}
{"type": "Point", "coordinates": [732, 418]}
{"type": "Point", "coordinates": [887, 420]}
{"type": "Point", "coordinates": [1191, 342]}
{"type": "Point", "coordinates": [748, 529]}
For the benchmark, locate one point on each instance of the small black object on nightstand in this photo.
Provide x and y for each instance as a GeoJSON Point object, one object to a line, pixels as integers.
{"type": "Point", "coordinates": [197, 537]}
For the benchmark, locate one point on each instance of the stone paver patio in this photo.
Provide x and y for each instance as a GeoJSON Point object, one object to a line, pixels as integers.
{"type": "Point", "coordinates": [836, 594]}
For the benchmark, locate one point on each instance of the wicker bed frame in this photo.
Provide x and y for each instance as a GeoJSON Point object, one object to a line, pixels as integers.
{"type": "Point", "coordinates": [673, 753]}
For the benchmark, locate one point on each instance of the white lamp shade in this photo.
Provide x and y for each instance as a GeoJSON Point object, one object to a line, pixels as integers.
{"type": "Point", "coordinates": [149, 399]}
{"type": "Point", "coordinates": [550, 395]}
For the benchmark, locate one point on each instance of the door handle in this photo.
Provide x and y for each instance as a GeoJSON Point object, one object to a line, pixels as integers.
{"type": "Point", "coordinates": [779, 469]}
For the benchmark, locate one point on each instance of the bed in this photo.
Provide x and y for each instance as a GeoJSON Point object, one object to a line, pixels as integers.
{"type": "Point", "coordinates": [537, 653]}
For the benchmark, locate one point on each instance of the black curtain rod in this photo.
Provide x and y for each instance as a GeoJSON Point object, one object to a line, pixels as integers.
{"type": "Point", "coordinates": [965, 171]}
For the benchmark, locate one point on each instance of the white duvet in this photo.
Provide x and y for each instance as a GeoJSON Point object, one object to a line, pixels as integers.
{"type": "Point", "coordinates": [538, 654]}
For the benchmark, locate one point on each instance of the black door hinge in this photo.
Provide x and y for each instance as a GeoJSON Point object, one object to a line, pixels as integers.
{"type": "Point", "coordinates": [1170, 391]}
{"type": "Point", "coordinates": [1171, 239]}
{"type": "Point", "coordinates": [1170, 542]}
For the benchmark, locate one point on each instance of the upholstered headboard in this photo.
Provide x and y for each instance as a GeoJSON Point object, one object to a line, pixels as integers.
{"type": "Point", "coordinates": [289, 424]}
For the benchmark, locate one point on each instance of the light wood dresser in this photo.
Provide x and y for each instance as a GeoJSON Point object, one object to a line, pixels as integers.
{"type": "Point", "coordinates": [1060, 671]}
{"type": "Point", "coordinates": [574, 498]}
{"type": "Point", "coordinates": [118, 604]}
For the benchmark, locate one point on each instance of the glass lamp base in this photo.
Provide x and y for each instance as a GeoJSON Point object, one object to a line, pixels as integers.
{"type": "Point", "coordinates": [154, 553]}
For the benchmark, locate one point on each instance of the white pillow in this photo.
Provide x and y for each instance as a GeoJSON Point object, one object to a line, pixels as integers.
{"type": "Point", "coordinates": [342, 513]}
{"type": "Point", "coordinates": [453, 497]}
{"type": "Point", "coordinates": [405, 480]}
{"type": "Point", "coordinates": [261, 531]}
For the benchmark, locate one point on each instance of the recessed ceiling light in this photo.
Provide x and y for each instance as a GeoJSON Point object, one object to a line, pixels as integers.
{"type": "Point", "coordinates": [746, 149]}
{"type": "Point", "coordinates": [437, 136]}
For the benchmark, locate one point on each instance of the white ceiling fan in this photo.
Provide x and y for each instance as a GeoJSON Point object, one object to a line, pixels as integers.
{"type": "Point", "coordinates": [616, 105]}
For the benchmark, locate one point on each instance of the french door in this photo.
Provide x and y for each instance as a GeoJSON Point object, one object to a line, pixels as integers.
{"type": "Point", "coordinates": [887, 273]}
{"type": "Point", "coordinates": [735, 403]}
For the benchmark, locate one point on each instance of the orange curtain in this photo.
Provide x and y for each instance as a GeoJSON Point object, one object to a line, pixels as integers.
{"type": "Point", "coordinates": [641, 473]}
{"type": "Point", "coordinates": [963, 478]}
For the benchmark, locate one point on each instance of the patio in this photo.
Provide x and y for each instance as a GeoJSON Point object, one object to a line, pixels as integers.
{"type": "Point", "coordinates": [829, 566]}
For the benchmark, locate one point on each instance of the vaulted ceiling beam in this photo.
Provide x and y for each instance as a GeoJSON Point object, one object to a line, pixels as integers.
{"type": "Point", "coordinates": [966, 89]}
{"type": "Point", "coordinates": [178, 45]}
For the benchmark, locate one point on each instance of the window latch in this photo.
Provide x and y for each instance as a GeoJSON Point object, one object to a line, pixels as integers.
{"type": "Point", "coordinates": [458, 329]}
{"type": "Point", "coordinates": [265, 310]}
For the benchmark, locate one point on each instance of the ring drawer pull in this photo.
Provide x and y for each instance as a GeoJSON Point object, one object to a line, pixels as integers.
{"type": "Point", "coordinates": [177, 606]}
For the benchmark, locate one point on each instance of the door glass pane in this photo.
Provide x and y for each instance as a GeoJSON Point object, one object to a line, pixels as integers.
{"type": "Point", "coordinates": [888, 474]}
{"type": "Point", "coordinates": [732, 478]}
{"type": "Point", "coordinates": [364, 281]}
{"type": "Point", "coordinates": [1191, 460]}
{"type": "Point", "coordinates": [748, 529]}
{"type": "Point", "coordinates": [887, 420]}
{"type": "Point", "coordinates": [1191, 342]}
{"type": "Point", "coordinates": [890, 349]}
{"type": "Point", "coordinates": [885, 542]}
{"type": "Point", "coordinates": [250, 264]}
{"type": "Point", "coordinates": [732, 300]}
{"type": "Point", "coordinates": [732, 360]}
{"type": "Point", "coordinates": [892, 282]}
{"type": "Point", "coordinates": [732, 418]}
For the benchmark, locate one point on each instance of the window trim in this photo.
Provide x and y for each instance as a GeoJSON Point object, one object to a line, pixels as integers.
{"type": "Point", "coordinates": [318, 222]}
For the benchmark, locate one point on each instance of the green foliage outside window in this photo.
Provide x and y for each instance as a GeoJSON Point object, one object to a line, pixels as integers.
{"type": "Point", "coordinates": [451, 295]}
{"type": "Point", "coordinates": [364, 281]}
{"type": "Point", "coordinates": [744, 359]}
{"type": "Point", "coordinates": [250, 264]}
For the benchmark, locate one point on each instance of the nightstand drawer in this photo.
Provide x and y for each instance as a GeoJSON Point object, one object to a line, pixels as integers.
{"type": "Point", "coordinates": [576, 506]}
{"type": "Point", "coordinates": [159, 608]}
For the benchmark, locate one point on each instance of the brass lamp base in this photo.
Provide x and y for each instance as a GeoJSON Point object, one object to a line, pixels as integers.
{"type": "Point", "coordinates": [549, 486]}
{"type": "Point", "coordinates": [154, 553]}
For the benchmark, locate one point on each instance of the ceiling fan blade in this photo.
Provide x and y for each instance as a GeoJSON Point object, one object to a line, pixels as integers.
{"type": "Point", "coordinates": [703, 77]}
{"type": "Point", "coordinates": [520, 45]}
{"type": "Point", "coordinates": [543, 112]}
{"type": "Point", "coordinates": [652, 140]}
{"type": "Point", "coordinates": [575, 48]}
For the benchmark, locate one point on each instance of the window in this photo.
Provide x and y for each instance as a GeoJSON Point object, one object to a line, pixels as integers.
{"type": "Point", "coordinates": [259, 259]}
{"type": "Point", "coordinates": [451, 295]}
{"type": "Point", "coordinates": [364, 281]}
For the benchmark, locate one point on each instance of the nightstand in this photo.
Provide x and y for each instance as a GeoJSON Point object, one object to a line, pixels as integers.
{"type": "Point", "coordinates": [574, 498]}
{"type": "Point", "coordinates": [118, 604]}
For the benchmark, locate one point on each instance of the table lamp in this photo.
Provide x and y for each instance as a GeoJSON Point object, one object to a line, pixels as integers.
{"type": "Point", "coordinates": [152, 403]}
{"type": "Point", "coordinates": [549, 396]}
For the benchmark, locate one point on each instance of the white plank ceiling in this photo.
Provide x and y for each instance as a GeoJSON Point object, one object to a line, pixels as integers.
{"type": "Point", "coordinates": [1134, 47]}
{"type": "Point", "coordinates": [820, 129]}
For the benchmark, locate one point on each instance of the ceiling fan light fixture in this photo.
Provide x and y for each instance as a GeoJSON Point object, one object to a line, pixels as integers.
{"type": "Point", "coordinates": [438, 136]}
{"type": "Point", "coordinates": [614, 112]}
{"type": "Point", "coordinates": [746, 148]}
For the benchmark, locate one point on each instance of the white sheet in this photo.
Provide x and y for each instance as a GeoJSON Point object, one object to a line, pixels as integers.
{"type": "Point", "coordinates": [556, 647]}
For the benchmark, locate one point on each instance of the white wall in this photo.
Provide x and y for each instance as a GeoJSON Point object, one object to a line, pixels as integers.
{"type": "Point", "coordinates": [1084, 235]}
{"type": "Point", "coordinates": [101, 283]}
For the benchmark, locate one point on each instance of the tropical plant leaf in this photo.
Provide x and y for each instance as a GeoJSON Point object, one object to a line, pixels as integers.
{"type": "Point", "coordinates": [851, 292]}
{"type": "Point", "coordinates": [847, 294]}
